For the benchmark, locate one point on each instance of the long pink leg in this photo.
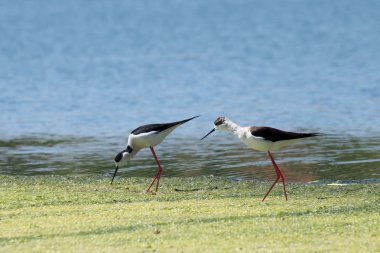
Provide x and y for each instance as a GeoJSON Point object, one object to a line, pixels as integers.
{"type": "Point", "coordinates": [159, 171]}
{"type": "Point", "coordinates": [279, 175]}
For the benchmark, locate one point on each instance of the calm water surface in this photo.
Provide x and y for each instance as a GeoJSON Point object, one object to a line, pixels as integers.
{"type": "Point", "coordinates": [76, 77]}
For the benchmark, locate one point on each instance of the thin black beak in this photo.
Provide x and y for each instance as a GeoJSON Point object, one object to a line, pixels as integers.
{"type": "Point", "coordinates": [208, 133]}
{"type": "Point", "coordinates": [117, 167]}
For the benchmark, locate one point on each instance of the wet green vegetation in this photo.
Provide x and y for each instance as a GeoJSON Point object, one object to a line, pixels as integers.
{"type": "Point", "coordinates": [87, 214]}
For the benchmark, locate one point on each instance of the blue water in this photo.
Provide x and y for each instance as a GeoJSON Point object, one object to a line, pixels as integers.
{"type": "Point", "coordinates": [95, 70]}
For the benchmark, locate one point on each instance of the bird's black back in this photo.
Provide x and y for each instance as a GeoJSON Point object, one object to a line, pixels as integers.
{"type": "Point", "coordinates": [273, 134]}
{"type": "Point", "coordinates": [158, 127]}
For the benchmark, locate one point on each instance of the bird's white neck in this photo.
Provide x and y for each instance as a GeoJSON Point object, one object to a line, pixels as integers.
{"type": "Point", "coordinates": [232, 127]}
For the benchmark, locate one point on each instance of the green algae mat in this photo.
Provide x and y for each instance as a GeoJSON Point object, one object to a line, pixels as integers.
{"type": "Point", "coordinates": [87, 214]}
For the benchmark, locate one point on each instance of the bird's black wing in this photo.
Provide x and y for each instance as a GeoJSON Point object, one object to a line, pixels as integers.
{"type": "Point", "coordinates": [158, 127]}
{"type": "Point", "coordinates": [273, 134]}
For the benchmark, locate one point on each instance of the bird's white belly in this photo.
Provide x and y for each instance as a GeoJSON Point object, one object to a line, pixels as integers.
{"type": "Point", "coordinates": [257, 143]}
{"type": "Point", "coordinates": [145, 140]}
{"type": "Point", "coordinates": [261, 144]}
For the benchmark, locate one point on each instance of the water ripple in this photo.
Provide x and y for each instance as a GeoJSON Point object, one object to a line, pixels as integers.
{"type": "Point", "coordinates": [328, 157]}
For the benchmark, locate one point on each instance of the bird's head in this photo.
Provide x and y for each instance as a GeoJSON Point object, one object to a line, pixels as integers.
{"type": "Point", "coordinates": [123, 157]}
{"type": "Point", "coordinates": [221, 123]}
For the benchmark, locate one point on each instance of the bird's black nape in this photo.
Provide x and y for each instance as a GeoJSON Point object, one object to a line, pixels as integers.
{"type": "Point", "coordinates": [117, 167]}
{"type": "Point", "coordinates": [208, 133]}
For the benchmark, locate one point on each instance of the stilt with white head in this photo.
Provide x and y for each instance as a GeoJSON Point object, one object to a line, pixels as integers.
{"type": "Point", "coordinates": [262, 139]}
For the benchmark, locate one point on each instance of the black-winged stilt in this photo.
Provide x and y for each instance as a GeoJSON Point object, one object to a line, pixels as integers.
{"type": "Point", "coordinates": [261, 139]}
{"type": "Point", "coordinates": [143, 137]}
